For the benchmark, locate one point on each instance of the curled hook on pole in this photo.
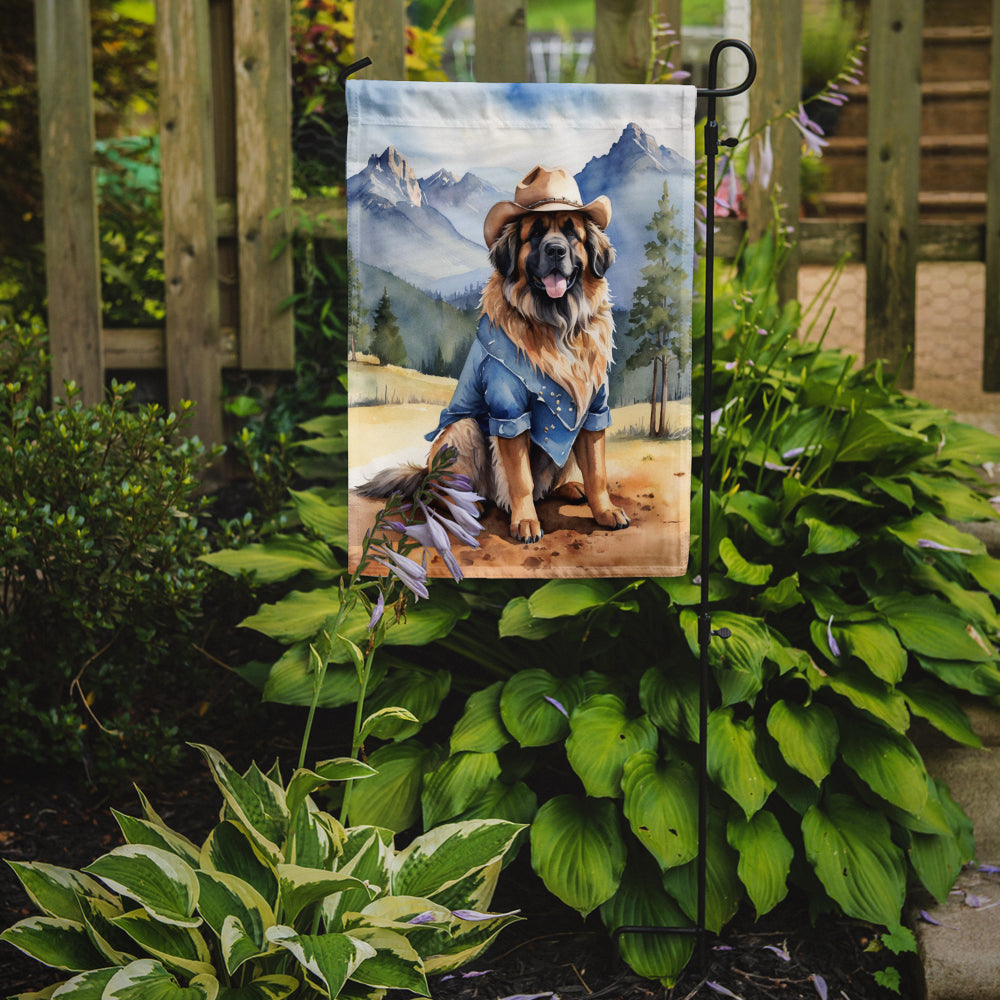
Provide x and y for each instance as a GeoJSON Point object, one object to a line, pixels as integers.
{"type": "Point", "coordinates": [353, 68]}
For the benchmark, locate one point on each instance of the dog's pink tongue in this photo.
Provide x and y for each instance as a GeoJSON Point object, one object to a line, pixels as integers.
{"type": "Point", "coordinates": [555, 285]}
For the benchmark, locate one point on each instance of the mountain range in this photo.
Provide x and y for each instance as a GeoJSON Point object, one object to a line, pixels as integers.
{"type": "Point", "coordinates": [429, 231]}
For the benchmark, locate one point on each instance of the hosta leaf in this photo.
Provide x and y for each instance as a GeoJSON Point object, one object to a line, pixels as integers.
{"type": "Point", "coordinates": [928, 528]}
{"type": "Point", "coordinates": [661, 800]}
{"type": "Point", "coordinates": [976, 678]}
{"type": "Point", "coordinates": [578, 851]}
{"type": "Point", "coordinates": [783, 595]}
{"type": "Point", "coordinates": [671, 699]}
{"type": "Point", "coordinates": [850, 848]}
{"type": "Point", "coordinates": [937, 858]}
{"type": "Point", "coordinates": [986, 571]}
{"type": "Point", "coordinates": [98, 916]}
{"type": "Point", "coordinates": [327, 520]}
{"type": "Point", "coordinates": [641, 901]}
{"type": "Point", "coordinates": [866, 692]}
{"type": "Point", "coordinates": [330, 959]}
{"type": "Point", "coordinates": [56, 891]}
{"type": "Point", "coordinates": [535, 706]}
{"type": "Point", "coordinates": [87, 986]}
{"type": "Point", "coordinates": [366, 855]}
{"type": "Point", "coordinates": [274, 987]}
{"type": "Point", "coordinates": [441, 857]}
{"type": "Point", "coordinates": [723, 889]}
{"type": "Point", "coordinates": [180, 948]}
{"type": "Point", "coordinates": [159, 881]}
{"type": "Point", "coordinates": [517, 620]}
{"type": "Point", "coordinates": [602, 738]}
{"type": "Point", "coordinates": [141, 831]}
{"type": "Point", "coordinates": [739, 569]}
{"type": "Point", "coordinates": [147, 979]}
{"type": "Point", "coordinates": [870, 435]}
{"type": "Point", "coordinates": [828, 539]}
{"type": "Point", "coordinates": [391, 798]}
{"type": "Point", "coordinates": [225, 897]}
{"type": "Point", "coordinates": [931, 628]}
{"type": "Point", "coordinates": [972, 445]}
{"type": "Point", "coordinates": [230, 849]}
{"type": "Point", "coordinates": [732, 760]}
{"type": "Point", "coordinates": [516, 803]}
{"type": "Point", "coordinates": [765, 858]}
{"type": "Point", "coordinates": [956, 500]}
{"type": "Point", "coordinates": [279, 558]}
{"type": "Point", "coordinates": [417, 690]}
{"type": "Point", "coordinates": [292, 681]}
{"type": "Point", "coordinates": [387, 723]}
{"type": "Point", "coordinates": [54, 941]}
{"type": "Point", "coordinates": [395, 964]}
{"type": "Point", "coordinates": [301, 887]}
{"type": "Point", "coordinates": [738, 661]}
{"type": "Point", "coordinates": [456, 784]}
{"type": "Point", "coordinates": [888, 763]}
{"type": "Point", "coordinates": [466, 941]}
{"type": "Point", "coordinates": [481, 728]}
{"type": "Point", "coordinates": [758, 511]}
{"type": "Point", "coordinates": [936, 704]}
{"type": "Point", "coordinates": [807, 736]}
{"type": "Point", "coordinates": [260, 809]}
{"type": "Point", "coordinates": [304, 782]}
{"type": "Point", "coordinates": [876, 646]}
{"type": "Point", "coordinates": [559, 598]}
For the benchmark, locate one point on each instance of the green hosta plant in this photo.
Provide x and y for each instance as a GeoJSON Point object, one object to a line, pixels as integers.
{"type": "Point", "coordinates": [279, 900]}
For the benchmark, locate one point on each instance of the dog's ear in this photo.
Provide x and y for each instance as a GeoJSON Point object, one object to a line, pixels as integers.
{"type": "Point", "coordinates": [600, 252]}
{"type": "Point", "coordinates": [503, 255]}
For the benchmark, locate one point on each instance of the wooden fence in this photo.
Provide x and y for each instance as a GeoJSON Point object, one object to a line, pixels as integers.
{"type": "Point", "coordinates": [226, 160]}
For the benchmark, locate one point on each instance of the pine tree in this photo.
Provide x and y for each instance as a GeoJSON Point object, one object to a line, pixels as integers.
{"type": "Point", "coordinates": [357, 331]}
{"type": "Point", "coordinates": [660, 316]}
{"type": "Point", "coordinates": [387, 344]}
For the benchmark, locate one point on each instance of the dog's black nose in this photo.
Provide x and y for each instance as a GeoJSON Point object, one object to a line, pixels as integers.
{"type": "Point", "coordinates": [555, 251]}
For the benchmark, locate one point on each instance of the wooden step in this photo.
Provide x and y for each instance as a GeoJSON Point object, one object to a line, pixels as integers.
{"type": "Point", "coordinates": [957, 206]}
{"type": "Point", "coordinates": [947, 162]}
{"type": "Point", "coordinates": [956, 53]}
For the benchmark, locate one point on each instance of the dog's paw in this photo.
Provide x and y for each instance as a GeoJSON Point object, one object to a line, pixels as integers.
{"type": "Point", "coordinates": [526, 531]}
{"type": "Point", "coordinates": [613, 517]}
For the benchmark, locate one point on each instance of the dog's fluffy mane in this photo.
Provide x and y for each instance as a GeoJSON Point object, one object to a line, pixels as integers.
{"type": "Point", "coordinates": [569, 339]}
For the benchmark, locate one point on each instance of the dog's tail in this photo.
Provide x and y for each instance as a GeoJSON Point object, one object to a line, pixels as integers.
{"type": "Point", "coordinates": [404, 479]}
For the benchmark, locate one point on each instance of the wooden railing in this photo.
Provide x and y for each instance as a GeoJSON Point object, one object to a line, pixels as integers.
{"type": "Point", "coordinates": [226, 160]}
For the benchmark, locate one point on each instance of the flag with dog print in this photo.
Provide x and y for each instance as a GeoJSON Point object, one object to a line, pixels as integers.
{"type": "Point", "coordinates": [520, 264]}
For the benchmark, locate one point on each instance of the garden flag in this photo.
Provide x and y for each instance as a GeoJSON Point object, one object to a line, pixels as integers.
{"type": "Point", "coordinates": [520, 261]}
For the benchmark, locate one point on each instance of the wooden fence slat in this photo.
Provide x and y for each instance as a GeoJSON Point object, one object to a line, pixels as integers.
{"type": "Point", "coordinates": [991, 331]}
{"type": "Point", "coordinates": [190, 253]}
{"type": "Point", "coordinates": [262, 61]}
{"type": "Point", "coordinates": [380, 34]}
{"type": "Point", "coordinates": [72, 256]}
{"type": "Point", "coordinates": [776, 36]}
{"type": "Point", "coordinates": [621, 40]}
{"type": "Point", "coordinates": [892, 214]}
{"type": "Point", "coordinates": [501, 41]}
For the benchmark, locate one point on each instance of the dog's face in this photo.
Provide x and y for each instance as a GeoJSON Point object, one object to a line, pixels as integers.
{"type": "Point", "coordinates": [553, 265]}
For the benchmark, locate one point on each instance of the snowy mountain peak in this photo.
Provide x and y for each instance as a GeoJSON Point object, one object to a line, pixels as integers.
{"type": "Point", "coordinates": [389, 176]}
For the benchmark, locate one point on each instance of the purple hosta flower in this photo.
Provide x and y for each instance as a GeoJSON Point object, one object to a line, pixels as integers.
{"type": "Point", "coordinates": [927, 918]}
{"type": "Point", "coordinates": [377, 611]}
{"type": "Point", "coordinates": [427, 917]}
{"type": "Point", "coordinates": [408, 571]}
{"type": "Point", "coordinates": [465, 975]}
{"type": "Point", "coordinates": [761, 163]}
{"type": "Point", "coordinates": [475, 915]}
{"type": "Point", "coordinates": [811, 132]}
{"type": "Point", "coordinates": [780, 952]}
{"type": "Point", "coordinates": [834, 648]}
{"type": "Point", "coordinates": [927, 543]}
{"type": "Point", "coordinates": [728, 196]}
{"type": "Point", "coordinates": [989, 869]}
{"type": "Point", "coordinates": [558, 705]}
{"type": "Point", "coordinates": [431, 535]}
{"type": "Point", "coordinates": [820, 983]}
{"type": "Point", "coordinates": [719, 988]}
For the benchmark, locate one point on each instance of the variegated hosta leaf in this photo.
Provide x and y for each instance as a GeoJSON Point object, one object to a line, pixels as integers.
{"type": "Point", "coordinates": [149, 980]}
{"type": "Point", "coordinates": [56, 891]}
{"type": "Point", "coordinates": [642, 902]}
{"type": "Point", "coordinates": [732, 760]}
{"type": "Point", "coordinates": [602, 737]}
{"type": "Point", "coordinates": [467, 940]}
{"type": "Point", "coordinates": [661, 805]}
{"type": "Point", "coordinates": [535, 706]}
{"type": "Point", "coordinates": [765, 858]}
{"type": "Point", "coordinates": [578, 851]}
{"type": "Point", "coordinates": [888, 763]}
{"type": "Point", "coordinates": [315, 838]}
{"type": "Point", "coordinates": [304, 782]}
{"type": "Point", "coordinates": [177, 947]}
{"type": "Point", "coordinates": [395, 964]}
{"type": "Point", "coordinates": [54, 941]}
{"type": "Point", "coordinates": [807, 736]}
{"type": "Point", "coordinates": [141, 831]}
{"type": "Point", "coordinates": [225, 897]}
{"type": "Point", "coordinates": [86, 986]}
{"type": "Point", "coordinates": [476, 890]}
{"type": "Point", "coordinates": [441, 857]}
{"type": "Point", "coordinates": [301, 887]}
{"type": "Point", "coordinates": [99, 915]}
{"type": "Point", "coordinates": [850, 847]}
{"type": "Point", "coordinates": [481, 727]}
{"type": "Point", "coordinates": [329, 959]}
{"type": "Point", "coordinates": [367, 853]}
{"type": "Point", "coordinates": [274, 987]}
{"type": "Point", "coordinates": [456, 784]}
{"type": "Point", "coordinates": [723, 889]}
{"type": "Point", "coordinates": [158, 880]}
{"type": "Point", "coordinates": [256, 801]}
{"type": "Point", "coordinates": [230, 849]}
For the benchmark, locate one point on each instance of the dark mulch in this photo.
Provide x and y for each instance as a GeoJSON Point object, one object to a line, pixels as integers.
{"type": "Point", "coordinates": [551, 951]}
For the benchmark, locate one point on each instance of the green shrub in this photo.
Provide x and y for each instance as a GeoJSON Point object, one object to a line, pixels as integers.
{"type": "Point", "coordinates": [279, 900]}
{"type": "Point", "coordinates": [854, 603]}
{"type": "Point", "coordinates": [101, 584]}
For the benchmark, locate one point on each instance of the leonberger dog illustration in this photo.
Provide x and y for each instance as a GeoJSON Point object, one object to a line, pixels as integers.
{"type": "Point", "coordinates": [529, 413]}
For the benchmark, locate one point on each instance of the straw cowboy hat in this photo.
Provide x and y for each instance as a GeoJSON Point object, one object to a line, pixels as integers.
{"type": "Point", "coordinates": [542, 190]}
